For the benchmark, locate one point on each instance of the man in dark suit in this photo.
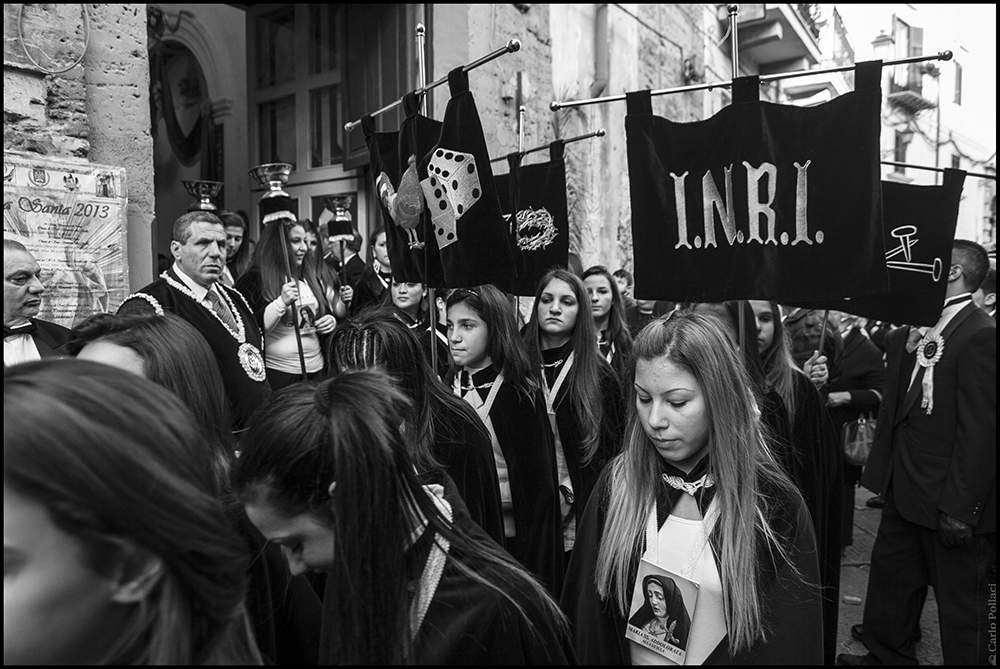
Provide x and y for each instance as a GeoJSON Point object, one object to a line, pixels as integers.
{"type": "Point", "coordinates": [351, 268]}
{"type": "Point", "coordinates": [26, 338]}
{"type": "Point", "coordinates": [354, 266]}
{"type": "Point", "coordinates": [934, 461]}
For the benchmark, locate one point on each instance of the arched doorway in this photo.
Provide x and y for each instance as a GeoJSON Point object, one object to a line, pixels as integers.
{"type": "Point", "coordinates": [185, 146]}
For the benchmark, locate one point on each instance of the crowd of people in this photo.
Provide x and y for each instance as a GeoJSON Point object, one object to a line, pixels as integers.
{"type": "Point", "coordinates": [291, 457]}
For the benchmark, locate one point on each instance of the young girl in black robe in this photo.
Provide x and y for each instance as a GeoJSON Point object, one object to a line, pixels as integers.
{"type": "Point", "coordinates": [613, 337]}
{"type": "Point", "coordinates": [410, 579]}
{"type": "Point", "coordinates": [696, 492]}
{"type": "Point", "coordinates": [583, 396]}
{"type": "Point", "coordinates": [818, 467]}
{"type": "Point", "coordinates": [491, 371]}
{"type": "Point", "coordinates": [444, 434]}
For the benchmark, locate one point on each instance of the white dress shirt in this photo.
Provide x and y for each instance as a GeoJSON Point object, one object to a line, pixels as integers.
{"type": "Point", "coordinates": [199, 291]}
{"type": "Point", "coordinates": [19, 348]}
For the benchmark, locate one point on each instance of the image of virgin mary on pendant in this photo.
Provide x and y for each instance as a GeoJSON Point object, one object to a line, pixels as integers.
{"type": "Point", "coordinates": [252, 362]}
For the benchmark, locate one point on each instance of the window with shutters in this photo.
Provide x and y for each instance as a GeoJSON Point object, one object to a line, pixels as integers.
{"type": "Point", "coordinates": [311, 69]}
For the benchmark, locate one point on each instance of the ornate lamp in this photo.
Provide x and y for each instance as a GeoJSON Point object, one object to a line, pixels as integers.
{"type": "Point", "coordinates": [342, 224]}
{"type": "Point", "coordinates": [341, 227]}
{"type": "Point", "coordinates": [203, 192]}
{"type": "Point", "coordinates": [272, 176]}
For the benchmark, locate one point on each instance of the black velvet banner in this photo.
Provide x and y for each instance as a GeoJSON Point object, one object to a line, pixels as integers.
{"type": "Point", "coordinates": [394, 157]}
{"type": "Point", "coordinates": [466, 226]}
{"type": "Point", "coordinates": [537, 199]}
{"type": "Point", "coordinates": [761, 201]}
{"type": "Point", "coordinates": [439, 201]}
{"type": "Point", "coordinates": [919, 227]}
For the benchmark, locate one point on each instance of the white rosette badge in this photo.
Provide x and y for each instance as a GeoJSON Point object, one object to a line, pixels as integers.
{"type": "Point", "coordinates": [929, 351]}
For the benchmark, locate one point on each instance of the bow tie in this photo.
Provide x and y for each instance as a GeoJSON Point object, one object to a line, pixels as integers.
{"type": "Point", "coordinates": [26, 329]}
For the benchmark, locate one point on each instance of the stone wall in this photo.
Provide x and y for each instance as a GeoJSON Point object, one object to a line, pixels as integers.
{"type": "Point", "coordinates": [44, 113]}
{"type": "Point", "coordinates": [98, 110]}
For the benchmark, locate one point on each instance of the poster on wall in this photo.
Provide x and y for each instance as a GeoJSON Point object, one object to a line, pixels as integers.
{"type": "Point", "coordinates": [71, 215]}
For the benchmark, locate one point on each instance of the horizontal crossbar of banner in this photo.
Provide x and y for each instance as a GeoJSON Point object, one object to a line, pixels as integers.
{"type": "Point", "coordinates": [511, 46]}
{"type": "Point", "coordinates": [937, 169]}
{"type": "Point", "coordinates": [596, 133]}
{"type": "Point", "coordinates": [556, 105]}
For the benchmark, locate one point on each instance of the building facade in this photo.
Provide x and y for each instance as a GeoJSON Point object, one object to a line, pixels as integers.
{"type": "Point", "coordinates": [175, 92]}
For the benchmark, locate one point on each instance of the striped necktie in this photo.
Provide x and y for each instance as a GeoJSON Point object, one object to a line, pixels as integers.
{"type": "Point", "coordinates": [220, 307]}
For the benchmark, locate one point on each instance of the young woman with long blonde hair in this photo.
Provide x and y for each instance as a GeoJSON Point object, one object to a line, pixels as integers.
{"type": "Point", "coordinates": [696, 492]}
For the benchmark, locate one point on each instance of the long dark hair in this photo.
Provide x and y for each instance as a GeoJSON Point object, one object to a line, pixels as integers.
{"type": "Point", "coordinates": [506, 349]}
{"type": "Point", "coordinates": [327, 278]}
{"type": "Point", "coordinates": [239, 264]}
{"type": "Point", "coordinates": [618, 330]}
{"type": "Point", "coordinates": [779, 366]}
{"type": "Point", "coordinates": [346, 431]}
{"type": "Point", "coordinates": [269, 260]}
{"type": "Point", "coordinates": [118, 462]}
{"type": "Point", "coordinates": [174, 355]}
{"type": "Point", "coordinates": [583, 383]}
{"type": "Point", "coordinates": [376, 338]}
